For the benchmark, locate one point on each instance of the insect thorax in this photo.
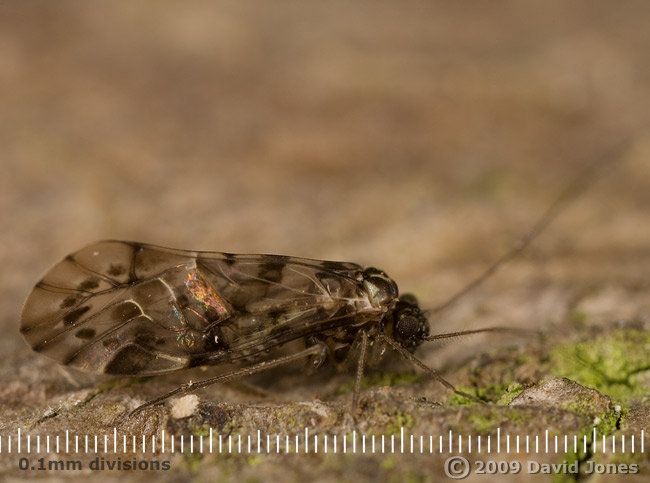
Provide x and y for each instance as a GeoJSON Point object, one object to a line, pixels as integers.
{"type": "Point", "coordinates": [404, 321]}
{"type": "Point", "coordinates": [396, 317]}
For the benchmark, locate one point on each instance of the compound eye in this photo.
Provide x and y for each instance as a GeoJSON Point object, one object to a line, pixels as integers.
{"type": "Point", "coordinates": [407, 327]}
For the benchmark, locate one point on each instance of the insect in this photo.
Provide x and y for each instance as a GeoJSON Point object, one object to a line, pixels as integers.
{"type": "Point", "coordinates": [132, 309]}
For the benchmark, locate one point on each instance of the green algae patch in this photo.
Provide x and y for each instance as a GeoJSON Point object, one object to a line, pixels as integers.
{"type": "Point", "coordinates": [511, 392]}
{"type": "Point", "coordinates": [192, 461]}
{"type": "Point", "coordinates": [487, 419]}
{"type": "Point", "coordinates": [616, 363]}
{"type": "Point", "coordinates": [456, 400]}
{"type": "Point", "coordinates": [484, 423]}
{"type": "Point", "coordinates": [500, 394]}
{"type": "Point", "coordinates": [402, 420]}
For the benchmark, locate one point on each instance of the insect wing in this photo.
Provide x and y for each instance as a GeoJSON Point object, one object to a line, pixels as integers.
{"type": "Point", "coordinates": [132, 309]}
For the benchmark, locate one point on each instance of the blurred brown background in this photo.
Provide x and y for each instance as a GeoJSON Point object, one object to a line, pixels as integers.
{"type": "Point", "coordinates": [420, 137]}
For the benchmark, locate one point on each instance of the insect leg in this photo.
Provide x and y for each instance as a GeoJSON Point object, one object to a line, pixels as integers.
{"type": "Point", "coordinates": [360, 367]}
{"type": "Point", "coordinates": [246, 371]}
{"type": "Point", "coordinates": [414, 360]}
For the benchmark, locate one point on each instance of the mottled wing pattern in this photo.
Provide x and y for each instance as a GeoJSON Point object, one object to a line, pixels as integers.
{"type": "Point", "coordinates": [133, 309]}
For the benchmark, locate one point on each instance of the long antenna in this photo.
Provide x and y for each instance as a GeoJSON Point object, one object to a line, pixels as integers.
{"type": "Point", "coordinates": [577, 186]}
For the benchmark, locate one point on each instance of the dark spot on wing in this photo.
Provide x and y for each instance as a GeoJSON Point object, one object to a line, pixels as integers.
{"type": "Point", "coordinates": [70, 258]}
{"type": "Point", "coordinates": [73, 316]}
{"type": "Point", "coordinates": [213, 314]}
{"type": "Point", "coordinates": [335, 266]}
{"type": "Point", "coordinates": [241, 298]}
{"type": "Point", "coordinates": [323, 275]}
{"type": "Point", "coordinates": [115, 269]}
{"type": "Point", "coordinates": [160, 341]}
{"type": "Point", "coordinates": [126, 311]}
{"type": "Point", "coordinates": [40, 347]}
{"type": "Point", "coordinates": [215, 341]}
{"type": "Point", "coordinates": [143, 339]}
{"type": "Point", "coordinates": [275, 316]}
{"type": "Point", "coordinates": [240, 306]}
{"type": "Point", "coordinates": [182, 301]}
{"type": "Point", "coordinates": [137, 248]}
{"type": "Point", "coordinates": [69, 301]}
{"type": "Point", "coordinates": [215, 349]}
{"type": "Point", "coordinates": [89, 284]}
{"type": "Point", "coordinates": [329, 282]}
{"type": "Point", "coordinates": [85, 334]}
{"type": "Point", "coordinates": [272, 271]}
{"type": "Point", "coordinates": [229, 258]}
{"type": "Point", "coordinates": [130, 360]}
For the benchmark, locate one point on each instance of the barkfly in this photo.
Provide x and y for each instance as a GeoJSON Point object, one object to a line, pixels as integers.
{"type": "Point", "coordinates": [131, 309]}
